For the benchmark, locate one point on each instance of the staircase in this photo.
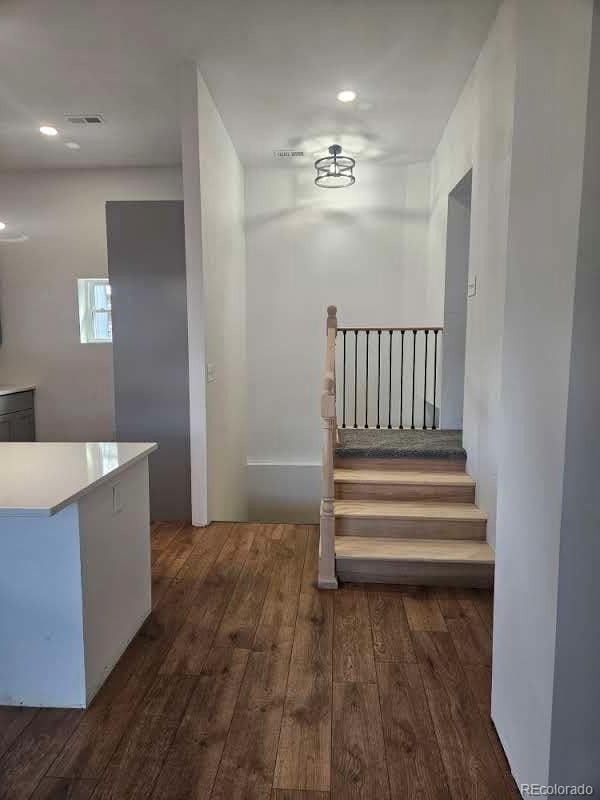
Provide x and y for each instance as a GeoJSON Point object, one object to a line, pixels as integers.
{"type": "Point", "coordinates": [406, 514]}
{"type": "Point", "coordinates": [397, 505]}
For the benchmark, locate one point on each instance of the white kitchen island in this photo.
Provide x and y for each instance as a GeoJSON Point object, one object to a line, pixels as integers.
{"type": "Point", "coordinates": [74, 566]}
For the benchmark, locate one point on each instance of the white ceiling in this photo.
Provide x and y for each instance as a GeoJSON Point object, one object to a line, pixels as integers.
{"type": "Point", "coordinates": [273, 67]}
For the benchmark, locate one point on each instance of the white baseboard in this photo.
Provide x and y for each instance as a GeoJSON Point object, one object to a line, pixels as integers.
{"type": "Point", "coordinates": [284, 492]}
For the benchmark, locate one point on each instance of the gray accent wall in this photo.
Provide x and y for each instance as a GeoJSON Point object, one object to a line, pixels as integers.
{"type": "Point", "coordinates": [575, 744]}
{"type": "Point", "coordinates": [146, 266]}
{"type": "Point", "coordinates": [455, 303]}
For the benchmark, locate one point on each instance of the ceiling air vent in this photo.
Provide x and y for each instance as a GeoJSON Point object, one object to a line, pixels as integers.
{"type": "Point", "coordinates": [288, 153]}
{"type": "Point", "coordinates": [84, 119]}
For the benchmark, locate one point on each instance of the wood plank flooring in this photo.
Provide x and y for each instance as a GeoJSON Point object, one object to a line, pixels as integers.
{"type": "Point", "coordinates": [248, 682]}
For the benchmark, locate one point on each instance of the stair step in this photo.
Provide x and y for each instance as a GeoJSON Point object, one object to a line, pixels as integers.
{"type": "Point", "coordinates": [414, 561]}
{"type": "Point", "coordinates": [403, 476]}
{"type": "Point", "coordinates": [439, 551]}
{"type": "Point", "coordinates": [409, 463]}
{"type": "Point", "coordinates": [374, 484]}
{"type": "Point", "coordinates": [409, 520]}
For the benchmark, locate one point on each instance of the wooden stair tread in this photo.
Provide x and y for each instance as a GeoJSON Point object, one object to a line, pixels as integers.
{"type": "Point", "coordinates": [439, 551]}
{"type": "Point", "coordinates": [402, 477]}
{"type": "Point", "coordinates": [376, 509]}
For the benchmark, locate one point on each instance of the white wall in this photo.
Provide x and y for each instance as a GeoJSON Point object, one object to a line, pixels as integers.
{"type": "Point", "coordinates": [63, 214]}
{"type": "Point", "coordinates": [538, 535]}
{"type": "Point", "coordinates": [216, 285]}
{"type": "Point", "coordinates": [530, 387]}
{"type": "Point", "coordinates": [363, 249]}
{"type": "Point", "coordinates": [478, 135]}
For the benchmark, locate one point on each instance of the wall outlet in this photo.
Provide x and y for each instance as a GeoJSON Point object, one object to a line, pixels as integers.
{"type": "Point", "coordinates": [211, 373]}
{"type": "Point", "coordinates": [472, 287]}
{"type": "Point", "coordinates": [117, 499]}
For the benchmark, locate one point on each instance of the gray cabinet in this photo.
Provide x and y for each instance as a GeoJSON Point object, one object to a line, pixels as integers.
{"type": "Point", "coordinates": [5, 428]}
{"type": "Point", "coordinates": [23, 426]}
{"type": "Point", "coordinates": [17, 420]}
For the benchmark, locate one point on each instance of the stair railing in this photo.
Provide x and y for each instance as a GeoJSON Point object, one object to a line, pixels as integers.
{"type": "Point", "coordinates": [327, 578]}
{"type": "Point", "coordinates": [390, 377]}
{"type": "Point", "coordinates": [396, 386]}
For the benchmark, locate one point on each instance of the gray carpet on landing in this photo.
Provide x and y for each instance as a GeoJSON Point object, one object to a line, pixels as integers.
{"type": "Point", "coordinates": [384, 443]}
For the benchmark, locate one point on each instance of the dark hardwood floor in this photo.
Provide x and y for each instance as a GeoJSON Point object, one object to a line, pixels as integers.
{"type": "Point", "coordinates": [247, 682]}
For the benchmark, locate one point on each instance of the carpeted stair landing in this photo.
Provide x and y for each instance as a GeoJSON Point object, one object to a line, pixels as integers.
{"type": "Point", "coordinates": [385, 443]}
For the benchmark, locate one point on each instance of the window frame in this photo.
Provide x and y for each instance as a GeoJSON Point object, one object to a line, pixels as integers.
{"type": "Point", "coordinates": [86, 291]}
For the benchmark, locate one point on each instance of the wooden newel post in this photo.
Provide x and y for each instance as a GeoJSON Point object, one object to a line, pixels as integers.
{"type": "Point", "coordinates": [327, 578]}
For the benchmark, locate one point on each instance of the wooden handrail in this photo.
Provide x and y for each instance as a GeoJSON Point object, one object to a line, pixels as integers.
{"type": "Point", "coordinates": [327, 578]}
{"type": "Point", "coordinates": [392, 328]}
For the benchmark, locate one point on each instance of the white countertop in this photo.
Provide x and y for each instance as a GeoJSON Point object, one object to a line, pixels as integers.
{"type": "Point", "coordinates": [8, 388]}
{"type": "Point", "coordinates": [41, 478]}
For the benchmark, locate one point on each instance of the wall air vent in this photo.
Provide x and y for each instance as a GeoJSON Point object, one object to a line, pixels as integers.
{"type": "Point", "coordinates": [84, 119]}
{"type": "Point", "coordinates": [288, 153]}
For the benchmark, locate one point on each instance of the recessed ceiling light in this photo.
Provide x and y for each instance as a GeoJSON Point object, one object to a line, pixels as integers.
{"type": "Point", "coordinates": [2, 226]}
{"type": "Point", "coordinates": [73, 145]}
{"type": "Point", "coordinates": [48, 130]}
{"type": "Point", "coordinates": [346, 96]}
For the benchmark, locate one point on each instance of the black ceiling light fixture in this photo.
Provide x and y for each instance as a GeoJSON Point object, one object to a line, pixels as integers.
{"type": "Point", "coordinates": [335, 171]}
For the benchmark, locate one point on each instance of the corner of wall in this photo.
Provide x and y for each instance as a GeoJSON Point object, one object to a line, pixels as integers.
{"type": "Point", "coordinates": [214, 198]}
{"type": "Point", "coordinates": [190, 138]}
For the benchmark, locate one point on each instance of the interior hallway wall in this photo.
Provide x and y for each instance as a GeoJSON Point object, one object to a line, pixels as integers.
{"type": "Point", "coordinates": [478, 136]}
{"type": "Point", "coordinates": [216, 289]}
{"type": "Point", "coordinates": [62, 212]}
{"type": "Point", "coordinates": [547, 531]}
{"type": "Point", "coordinates": [363, 249]}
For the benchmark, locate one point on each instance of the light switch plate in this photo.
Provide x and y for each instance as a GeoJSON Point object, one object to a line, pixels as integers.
{"type": "Point", "coordinates": [211, 373]}
{"type": "Point", "coordinates": [472, 287]}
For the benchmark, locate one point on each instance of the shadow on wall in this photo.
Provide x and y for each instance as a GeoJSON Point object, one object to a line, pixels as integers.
{"type": "Point", "coordinates": [271, 498]}
{"type": "Point", "coordinates": [364, 248]}
{"type": "Point", "coordinates": [367, 201]}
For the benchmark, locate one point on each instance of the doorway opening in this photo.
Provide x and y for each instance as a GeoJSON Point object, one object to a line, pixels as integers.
{"type": "Point", "coordinates": [455, 303]}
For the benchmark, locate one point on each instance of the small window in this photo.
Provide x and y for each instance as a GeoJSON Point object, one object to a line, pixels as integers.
{"type": "Point", "coordinates": [95, 314]}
